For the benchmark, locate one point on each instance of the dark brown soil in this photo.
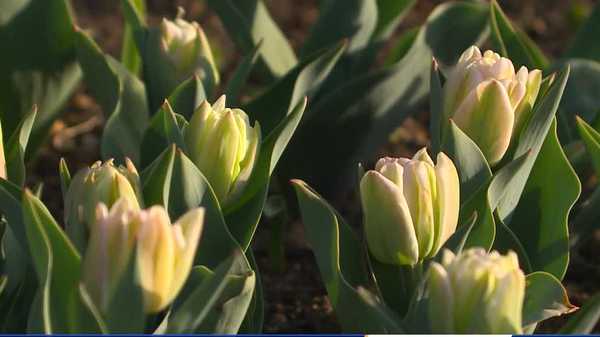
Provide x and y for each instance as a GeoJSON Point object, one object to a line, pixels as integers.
{"type": "Point", "coordinates": [295, 298]}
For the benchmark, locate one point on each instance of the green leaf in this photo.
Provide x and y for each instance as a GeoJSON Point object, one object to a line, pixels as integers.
{"type": "Point", "coordinates": [50, 91]}
{"type": "Point", "coordinates": [284, 95]}
{"type": "Point", "coordinates": [253, 322]}
{"type": "Point", "coordinates": [122, 97]}
{"type": "Point", "coordinates": [218, 303]}
{"type": "Point", "coordinates": [37, 65]}
{"type": "Point", "coordinates": [130, 55]}
{"type": "Point", "coordinates": [531, 140]}
{"type": "Point", "coordinates": [540, 218]}
{"type": "Point", "coordinates": [17, 147]}
{"type": "Point", "coordinates": [57, 265]}
{"type": "Point", "coordinates": [187, 96]}
{"type": "Point", "coordinates": [512, 42]}
{"type": "Point", "coordinates": [545, 297]}
{"type": "Point", "coordinates": [162, 132]}
{"type": "Point", "coordinates": [65, 177]}
{"type": "Point", "coordinates": [248, 23]}
{"type": "Point", "coordinates": [125, 313]}
{"type": "Point", "coordinates": [339, 256]}
{"type": "Point", "coordinates": [584, 45]}
{"type": "Point", "coordinates": [580, 97]}
{"type": "Point", "coordinates": [240, 76]}
{"type": "Point", "coordinates": [475, 176]}
{"type": "Point", "coordinates": [243, 215]}
{"type": "Point", "coordinates": [176, 183]}
{"type": "Point", "coordinates": [586, 318]}
{"type": "Point", "coordinates": [363, 112]}
{"type": "Point", "coordinates": [354, 21]}
{"type": "Point", "coordinates": [591, 139]}
{"type": "Point", "coordinates": [389, 15]}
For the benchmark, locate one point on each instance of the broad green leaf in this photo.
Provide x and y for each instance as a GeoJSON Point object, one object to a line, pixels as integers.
{"type": "Point", "coordinates": [363, 112]}
{"type": "Point", "coordinates": [243, 215]}
{"type": "Point", "coordinates": [512, 42]}
{"type": "Point", "coordinates": [531, 140]}
{"type": "Point", "coordinates": [130, 55]}
{"type": "Point", "coordinates": [122, 97]}
{"type": "Point", "coordinates": [36, 65]}
{"type": "Point", "coordinates": [253, 322]}
{"type": "Point", "coordinates": [240, 76]}
{"type": "Point", "coordinates": [586, 318]}
{"type": "Point", "coordinates": [218, 302]}
{"type": "Point", "coordinates": [580, 97]}
{"type": "Point", "coordinates": [49, 91]}
{"type": "Point", "coordinates": [248, 22]}
{"type": "Point", "coordinates": [475, 176]}
{"type": "Point", "coordinates": [353, 20]}
{"type": "Point", "coordinates": [162, 132]}
{"type": "Point", "coordinates": [540, 218]}
{"type": "Point", "coordinates": [545, 297]}
{"type": "Point", "coordinates": [125, 313]}
{"type": "Point", "coordinates": [506, 240]}
{"type": "Point", "coordinates": [389, 15]}
{"type": "Point", "coordinates": [339, 255]}
{"type": "Point", "coordinates": [591, 139]}
{"type": "Point", "coordinates": [503, 178]}
{"type": "Point", "coordinates": [16, 148]}
{"type": "Point", "coordinates": [176, 183]}
{"type": "Point", "coordinates": [57, 266]}
{"type": "Point", "coordinates": [401, 46]}
{"type": "Point", "coordinates": [187, 97]}
{"type": "Point", "coordinates": [584, 45]}
{"type": "Point", "coordinates": [284, 95]}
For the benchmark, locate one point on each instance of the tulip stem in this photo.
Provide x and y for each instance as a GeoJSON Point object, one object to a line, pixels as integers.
{"type": "Point", "coordinates": [411, 276]}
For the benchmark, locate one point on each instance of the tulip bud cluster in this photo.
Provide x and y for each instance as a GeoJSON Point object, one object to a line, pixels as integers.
{"type": "Point", "coordinates": [224, 146]}
{"type": "Point", "coordinates": [164, 252]}
{"type": "Point", "coordinates": [410, 207]}
{"type": "Point", "coordinates": [489, 101]}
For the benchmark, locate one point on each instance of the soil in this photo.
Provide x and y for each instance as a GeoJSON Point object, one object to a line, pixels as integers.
{"type": "Point", "coordinates": [295, 297]}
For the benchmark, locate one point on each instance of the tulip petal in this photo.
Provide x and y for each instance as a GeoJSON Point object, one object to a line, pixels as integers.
{"type": "Point", "coordinates": [420, 193]}
{"type": "Point", "coordinates": [388, 225]}
{"type": "Point", "coordinates": [487, 117]}
{"type": "Point", "coordinates": [441, 299]}
{"type": "Point", "coordinates": [447, 201]}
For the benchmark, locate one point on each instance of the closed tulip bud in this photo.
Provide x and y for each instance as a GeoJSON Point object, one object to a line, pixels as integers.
{"type": "Point", "coordinates": [476, 292]}
{"type": "Point", "coordinates": [112, 239]}
{"type": "Point", "coordinates": [101, 183]}
{"type": "Point", "coordinates": [224, 146]}
{"type": "Point", "coordinates": [165, 254]}
{"type": "Point", "coordinates": [489, 101]}
{"type": "Point", "coordinates": [410, 207]}
{"type": "Point", "coordinates": [186, 45]}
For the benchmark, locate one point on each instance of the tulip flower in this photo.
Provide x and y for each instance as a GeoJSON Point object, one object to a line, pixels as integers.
{"type": "Point", "coordinates": [164, 252]}
{"type": "Point", "coordinates": [489, 101]}
{"type": "Point", "coordinates": [476, 292]}
{"type": "Point", "coordinates": [100, 183]}
{"type": "Point", "coordinates": [410, 207]}
{"type": "Point", "coordinates": [186, 45]}
{"type": "Point", "coordinates": [224, 146]}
